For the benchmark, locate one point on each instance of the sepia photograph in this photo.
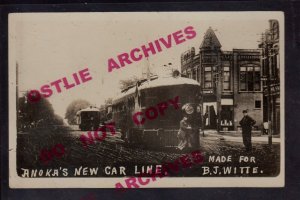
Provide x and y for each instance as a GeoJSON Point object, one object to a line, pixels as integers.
{"type": "Point", "coordinates": [146, 99]}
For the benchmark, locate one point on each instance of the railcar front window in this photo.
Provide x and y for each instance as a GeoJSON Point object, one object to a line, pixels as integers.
{"type": "Point", "coordinates": [88, 115]}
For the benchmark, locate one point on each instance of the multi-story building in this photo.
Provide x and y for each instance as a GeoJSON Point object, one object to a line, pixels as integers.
{"type": "Point", "coordinates": [230, 82]}
{"type": "Point", "coordinates": [271, 76]}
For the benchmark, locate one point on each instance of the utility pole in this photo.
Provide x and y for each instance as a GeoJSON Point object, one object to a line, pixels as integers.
{"type": "Point", "coordinates": [219, 88]}
{"type": "Point", "coordinates": [266, 46]}
{"type": "Point", "coordinates": [266, 43]}
{"type": "Point", "coordinates": [270, 131]}
{"type": "Point", "coordinates": [148, 70]}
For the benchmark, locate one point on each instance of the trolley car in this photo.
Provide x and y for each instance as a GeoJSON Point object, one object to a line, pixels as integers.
{"type": "Point", "coordinates": [88, 118]}
{"type": "Point", "coordinates": [162, 130]}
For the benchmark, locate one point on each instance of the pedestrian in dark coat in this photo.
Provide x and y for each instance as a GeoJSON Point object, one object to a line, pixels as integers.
{"type": "Point", "coordinates": [247, 123]}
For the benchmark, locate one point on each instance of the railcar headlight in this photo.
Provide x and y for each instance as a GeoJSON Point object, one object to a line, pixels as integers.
{"type": "Point", "coordinates": [176, 74]}
{"type": "Point", "coordinates": [189, 109]}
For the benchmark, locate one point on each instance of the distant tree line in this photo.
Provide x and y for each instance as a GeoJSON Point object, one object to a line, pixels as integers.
{"type": "Point", "coordinates": [128, 82]}
{"type": "Point", "coordinates": [36, 114]}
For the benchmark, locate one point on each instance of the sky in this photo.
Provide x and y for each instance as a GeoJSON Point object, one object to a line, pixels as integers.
{"type": "Point", "coordinates": [50, 46]}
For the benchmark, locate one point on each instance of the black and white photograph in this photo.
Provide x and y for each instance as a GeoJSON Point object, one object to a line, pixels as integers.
{"type": "Point", "coordinates": [146, 99]}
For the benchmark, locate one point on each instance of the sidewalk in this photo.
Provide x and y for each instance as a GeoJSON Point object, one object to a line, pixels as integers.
{"type": "Point", "coordinates": [237, 137]}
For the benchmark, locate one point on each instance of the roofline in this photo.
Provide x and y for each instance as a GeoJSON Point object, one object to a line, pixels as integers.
{"type": "Point", "coordinates": [246, 50]}
{"type": "Point", "coordinates": [133, 91]}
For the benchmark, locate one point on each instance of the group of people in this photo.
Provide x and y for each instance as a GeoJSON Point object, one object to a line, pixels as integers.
{"type": "Point", "coordinates": [188, 134]}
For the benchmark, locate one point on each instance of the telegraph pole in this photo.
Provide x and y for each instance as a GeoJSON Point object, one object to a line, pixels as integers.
{"type": "Point", "coordinates": [219, 88]}
{"type": "Point", "coordinates": [267, 64]}
{"type": "Point", "coordinates": [269, 71]}
{"type": "Point", "coordinates": [266, 42]}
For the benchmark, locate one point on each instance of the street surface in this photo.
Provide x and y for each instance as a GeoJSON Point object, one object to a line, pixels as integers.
{"type": "Point", "coordinates": [113, 152]}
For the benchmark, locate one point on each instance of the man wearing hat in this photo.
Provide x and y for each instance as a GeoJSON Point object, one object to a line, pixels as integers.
{"type": "Point", "coordinates": [247, 123]}
{"type": "Point", "coordinates": [184, 133]}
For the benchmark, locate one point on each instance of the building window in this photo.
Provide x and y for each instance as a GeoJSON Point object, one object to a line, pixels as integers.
{"type": "Point", "coordinates": [194, 74]}
{"type": "Point", "coordinates": [258, 104]}
{"type": "Point", "coordinates": [198, 75]}
{"type": "Point", "coordinates": [207, 77]}
{"type": "Point", "coordinates": [243, 79]}
{"type": "Point", "coordinates": [189, 74]}
{"type": "Point", "coordinates": [250, 78]}
{"type": "Point", "coordinates": [226, 78]}
{"type": "Point", "coordinates": [257, 78]}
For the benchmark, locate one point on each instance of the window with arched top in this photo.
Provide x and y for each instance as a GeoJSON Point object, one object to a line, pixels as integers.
{"type": "Point", "coordinates": [249, 78]}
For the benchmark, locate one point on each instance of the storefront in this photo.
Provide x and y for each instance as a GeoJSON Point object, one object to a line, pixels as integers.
{"type": "Point", "coordinates": [227, 115]}
{"type": "Point", "coordinates": [210, 115]}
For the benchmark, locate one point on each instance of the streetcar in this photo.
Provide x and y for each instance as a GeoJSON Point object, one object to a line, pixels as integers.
{"type": "Point", "coordinates": [156, 125]}
{"type": "Point", "coordinates": [88, 118]}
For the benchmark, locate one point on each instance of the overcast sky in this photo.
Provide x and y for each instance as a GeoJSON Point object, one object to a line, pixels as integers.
{"type": "Point", "coordinates": [48, 46]}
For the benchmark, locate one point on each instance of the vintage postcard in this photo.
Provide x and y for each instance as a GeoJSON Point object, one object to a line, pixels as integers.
{"type": "Point", "coordinates": [146, 99]}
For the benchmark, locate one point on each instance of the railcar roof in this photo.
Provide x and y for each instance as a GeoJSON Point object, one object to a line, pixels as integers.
{"type": "Point", "coordinates": [159, 82]}
{"type": "Point", "coordinates": [89, 109]}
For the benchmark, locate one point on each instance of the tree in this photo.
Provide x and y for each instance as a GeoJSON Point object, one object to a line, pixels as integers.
{"type": "Point", "coordinates": [33, 114]}
{"type": "Point", "coordinates": [108, 101]}
{"type": "Point", "coordinates": [58, 119]}
{"type": "Point", "coordinates": [128, 82]}
{"type": "Point", "coordinates": [73, 108]}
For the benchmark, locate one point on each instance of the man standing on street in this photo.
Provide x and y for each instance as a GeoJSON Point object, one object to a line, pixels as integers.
{"type": "Point", "coordinates": [247, 123]}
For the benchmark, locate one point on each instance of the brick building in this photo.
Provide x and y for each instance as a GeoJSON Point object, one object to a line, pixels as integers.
{"type": "Point", "coordinates": [230, 82]}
